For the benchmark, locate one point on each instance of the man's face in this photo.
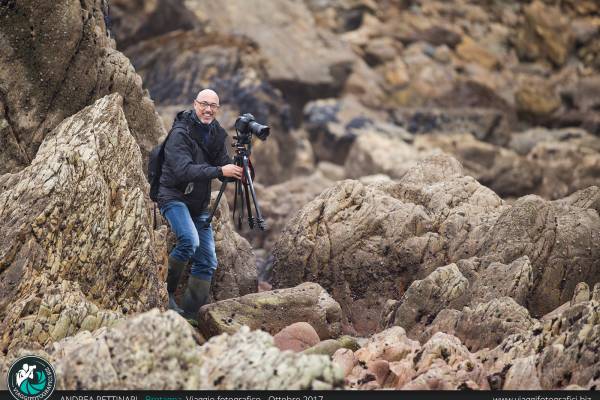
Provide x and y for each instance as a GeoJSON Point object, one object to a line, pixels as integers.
{"type": "Point", "coordinates": [206, 106]}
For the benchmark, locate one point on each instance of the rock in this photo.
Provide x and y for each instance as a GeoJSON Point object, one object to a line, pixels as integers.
{"type": "Point", "coordinates": [259, 365]}
{"type": "Point", "coordinates": [278, 203]}
{"type": "Point", "coordinates": [374, 152]}
{"type": "Point", "coordinates": [496, 280]}
{"type": "Point", "coordinates": [296, 337]}
{"type": "Point", "coordinates": [522, 374]}
{"type": "Point", "coordinates": [558, 232]}
{"type": "Point", "coordinates": [484, 325]}
{"type": "Point", "coordinates": [391, 360]}
{"type": "Point", "coordinates": [274, 310]}
{"type": "Point", "coordinates": [580, 105]}
{"type": "Point", "coordinates": [133, 22]}
{"type": "Point", "coordinates": [79, 217]}
{"type": "Point", "coordinates": [169, 356]}
{"type": "Point", "coordinates": [444, 288]}
{"type": "Point", "coordinates": [523, 142]}
{"type": "Point", "coordinates": [471, 51]}
{"type": "Point", "coordinates": [581, 293]}
{"type": "Point", "coordinates": [301, 72]}
{"type": "Point", "coordinates": [545, 34]}
{"type": "Point", "coordinates": [353, 235]}
{"type": "Point", "coordinates": [484, 124]}
{"type": "Point", "coordinates": [586, 198]}
{"type": "Point", "coordinates": [563, 349]}
{"type": "Point", "coordinates": [56, 68]}
{"type": "Point", "coordinates": [536, 98]}
{"type": "Point", "coordinates": [333, 126]}
{"type": "Point", "coordinates": [337, 238]}
{"type": "Point", "coordinates": [326, 347]}
{"type": "Point", "coordinates": [493, 166]}
{"type": "Point", "coordinates": [345, 359]}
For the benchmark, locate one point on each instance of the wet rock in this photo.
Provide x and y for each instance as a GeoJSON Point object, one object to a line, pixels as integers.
{"type": "Point", "coordinates": [56, 67]}
{"type": "Point", "coordinates": [78, 216]}
{"type": "Point", "coordinates": [274, 310]}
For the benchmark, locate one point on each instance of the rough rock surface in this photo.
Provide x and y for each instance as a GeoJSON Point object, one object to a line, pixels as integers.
{"type": "Point", "coordinates": [169, 356]}
{"type": "Point", "coordinates": [560, 351]}
{"type": "Point", "coordinates": [278, 203]}
{"type": "Point", "coordinates": [56, 66]}
{"type": "Point", "coordinates": [272, 311]}
{"type": "Point", "coordinates": [79, 248]}
{"type": "Point", "coordinates": [353, 235]}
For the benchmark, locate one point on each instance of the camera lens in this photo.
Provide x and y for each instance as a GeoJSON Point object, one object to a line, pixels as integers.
{"type": "Point", "coordinates": [261, 131]}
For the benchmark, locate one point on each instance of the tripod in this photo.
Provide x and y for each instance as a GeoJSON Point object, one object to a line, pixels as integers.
{"type": "Point", "coordinates": [244, 188]}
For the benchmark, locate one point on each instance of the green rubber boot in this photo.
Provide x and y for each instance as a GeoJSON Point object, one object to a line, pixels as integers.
{"type": "Point", "coordinates": [195, 296]}
{"type": "Point", "coordinates": [175, 269]}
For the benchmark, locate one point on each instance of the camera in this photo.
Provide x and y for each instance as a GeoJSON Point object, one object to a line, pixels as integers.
{"type": "Point", "coordinates": [246, 125]}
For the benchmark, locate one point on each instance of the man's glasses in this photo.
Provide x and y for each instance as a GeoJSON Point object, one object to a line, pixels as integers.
{"type": "Point", "coordinates": [204, 104]}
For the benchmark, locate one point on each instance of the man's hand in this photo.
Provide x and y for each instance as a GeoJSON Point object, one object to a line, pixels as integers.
{"type": "Point", "coordinates": [232, 171]}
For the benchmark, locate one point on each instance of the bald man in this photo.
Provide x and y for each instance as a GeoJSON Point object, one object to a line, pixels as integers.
{"type": "Point", "coordinates": [195, 153]}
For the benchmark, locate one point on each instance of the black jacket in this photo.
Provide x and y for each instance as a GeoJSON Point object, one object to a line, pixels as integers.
{"type": "Point", "coordinates": [190, 165]}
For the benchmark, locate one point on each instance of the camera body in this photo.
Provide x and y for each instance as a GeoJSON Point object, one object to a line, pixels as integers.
{"type": "Point", "coordinates": [246, 126]}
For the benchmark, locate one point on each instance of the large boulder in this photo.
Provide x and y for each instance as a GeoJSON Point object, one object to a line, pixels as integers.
{"type": "Point", "coordinates": [79, 217]}
{"type": "Point", "coordinates": [366, 244]}
{"type": "Point", "coordinates": [53, 68]}
{"type": "Point", "coordinates": [272, 311]}
{"type": "Point", "coordinates": [168, 356]}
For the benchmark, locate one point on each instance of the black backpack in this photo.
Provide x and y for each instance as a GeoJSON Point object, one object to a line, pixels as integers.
{"type": "Point", "coordinates": [155, 163]}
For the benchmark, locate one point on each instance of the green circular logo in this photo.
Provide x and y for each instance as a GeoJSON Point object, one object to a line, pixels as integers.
{"type": "Point", "coordinates": [31, 378]}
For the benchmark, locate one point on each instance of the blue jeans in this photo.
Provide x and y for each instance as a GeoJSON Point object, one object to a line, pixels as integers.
{"type": "Point", "coordinates": [194, 241]}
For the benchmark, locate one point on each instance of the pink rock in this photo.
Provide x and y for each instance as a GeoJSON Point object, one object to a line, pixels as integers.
{"type": "Point", "coordinates": [296, 337]}
{"type": "Point", "coordinates": [345, 359]}
{"type": "Point", "coordinates": [381, 370]}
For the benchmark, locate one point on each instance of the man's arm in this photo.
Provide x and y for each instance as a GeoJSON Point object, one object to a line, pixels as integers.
{"type": "Point", "coordinates": [178, 153]}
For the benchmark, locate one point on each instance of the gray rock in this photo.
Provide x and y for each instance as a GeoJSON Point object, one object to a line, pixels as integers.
{"type": "Point", "coordinates": [272, 311]}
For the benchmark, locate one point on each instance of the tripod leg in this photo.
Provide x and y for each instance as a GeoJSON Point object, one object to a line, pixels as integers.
{"type": "Point", "coordinates": [247, 193]}
{"type": "Point", "coordinates": [218, 199]}
{"type": "Point", "coordinates": [259, 219]}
